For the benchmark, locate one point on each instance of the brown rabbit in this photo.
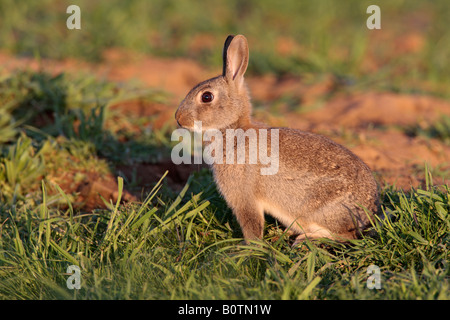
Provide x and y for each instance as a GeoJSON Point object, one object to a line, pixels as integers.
{"type": "Point", "coordinates": [321, 189]}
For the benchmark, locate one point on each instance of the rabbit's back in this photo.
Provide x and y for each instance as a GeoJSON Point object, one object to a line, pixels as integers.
{"type": "Point", "coordinates": [318, 181]}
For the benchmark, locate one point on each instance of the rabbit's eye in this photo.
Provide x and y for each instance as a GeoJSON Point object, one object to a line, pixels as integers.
{"type": "Point", "coordinates": [207, 97]}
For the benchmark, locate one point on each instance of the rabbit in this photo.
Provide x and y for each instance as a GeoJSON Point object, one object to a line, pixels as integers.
{"type": "Point", "coordinates": [321, 189]}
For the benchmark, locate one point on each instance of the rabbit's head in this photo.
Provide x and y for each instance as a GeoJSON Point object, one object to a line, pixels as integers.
{"type": "Point", "coordinates": [223, 101]}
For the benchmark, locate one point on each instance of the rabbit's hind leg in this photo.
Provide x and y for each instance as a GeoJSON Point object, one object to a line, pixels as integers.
{"type": "Point", "coordinates": [313, 231]}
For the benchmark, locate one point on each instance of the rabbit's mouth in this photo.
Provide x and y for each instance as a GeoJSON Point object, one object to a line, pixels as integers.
{"type": "Point", "coordinates": [183, 125]}
{"type": "Point", "coordinates": [186, 121]}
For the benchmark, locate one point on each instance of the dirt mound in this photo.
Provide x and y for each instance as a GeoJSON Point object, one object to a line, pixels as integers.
{"type": "Point", "coordinates": [399, 159]}
{"type": "Point", "coordinates": [157, 114]}
{"type": "Point", "coordinates": [89, 187]}
{"type": "Point", "coordinates": [269, 88]}
{"type": "Point", "coordinates": [377, 109]}
{"type": "Point", "coordinates": [176, 76]}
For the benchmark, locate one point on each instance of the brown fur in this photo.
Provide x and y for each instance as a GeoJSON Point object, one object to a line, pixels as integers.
{"type": "Point", "coordinates": [321, 187]}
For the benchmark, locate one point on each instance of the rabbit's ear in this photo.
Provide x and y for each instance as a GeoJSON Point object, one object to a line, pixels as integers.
{"type": "Point", "coordinates": [235, 58]}
{"type": "Point", "coordinates": [225, 53]}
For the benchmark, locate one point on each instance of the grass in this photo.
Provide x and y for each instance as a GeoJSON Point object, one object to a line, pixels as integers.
{"type": "Point", "coordinates": [184, 245]}
{"type": "Point", "coordinates": [187, 244]}
{"type": "Point", "coordinates": [185, 248]}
